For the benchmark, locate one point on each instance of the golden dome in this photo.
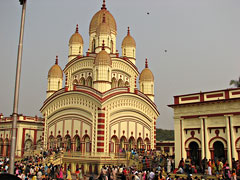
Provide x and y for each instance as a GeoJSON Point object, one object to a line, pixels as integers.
{"type": "Point", "coordinates": [55, 71]}
{"type": "Point", "coordinates": [103, 58]}
{"type": "Point", "coordinates": [146, 74]}
{"type": "Point", "coordinates": [97, 20]}
{"type": "Point", "coordinates": [103, 28]}
{"type": "Point", "coordinates": [128, 41]}
{"type": "Point", "coordinates": [76, 38]}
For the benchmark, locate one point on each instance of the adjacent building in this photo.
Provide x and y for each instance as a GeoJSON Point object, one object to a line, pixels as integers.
{"type": "Point", "coordinates": [207, 124]}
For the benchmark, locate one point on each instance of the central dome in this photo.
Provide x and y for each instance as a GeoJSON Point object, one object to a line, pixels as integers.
{"type": "Point", "coordinates": [103, 58]}
{"type": "Point", "coordinates": [97, 20]}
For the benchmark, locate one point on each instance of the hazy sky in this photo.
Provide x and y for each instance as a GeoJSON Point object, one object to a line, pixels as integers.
{"type": "Point", "coordinates": [202, 39]}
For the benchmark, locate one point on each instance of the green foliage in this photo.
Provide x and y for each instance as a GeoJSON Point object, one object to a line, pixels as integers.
{"type": "Point", "coordinates": [235, 83]}
{"type": "Point", "coordinates": [165, 135]}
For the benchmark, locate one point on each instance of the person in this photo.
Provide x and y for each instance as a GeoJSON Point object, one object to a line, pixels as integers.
{"type": "Point", "coordinates": [69, 176]}
{"type": "Point", "coordinates": [234, 176]}
{"type": "Point", "coordinates": [60, 174]}
{"type": "Point", "coordinates": [227, 173]}
{"type": "Point", "coordinates": [77, 173]}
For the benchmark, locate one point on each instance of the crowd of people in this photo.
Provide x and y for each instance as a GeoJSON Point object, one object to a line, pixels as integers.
{"type": "Point", "coordinates": [148, 165]}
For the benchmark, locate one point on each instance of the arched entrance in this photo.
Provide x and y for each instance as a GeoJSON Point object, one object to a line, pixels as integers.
{"type": "Point", "coordinates": [68, 142]}
{"type": "Point", "coordinates": [114, 145]}
{"type": "Point", "coordinates": [87, 144]}
{"type": "Point", "coordinates": [7, 147]}
{"type": "Point", "coordinates": [1, 147]}
{"type": "Point", "coordinates": [123, 141]}
{"type": "Point", "coordinates": [77, 143]}
{"type": "Point", "coordinates": [194, 152]}
{"type": "Point", "coordinates": [131, 143]}
{"type": "Point", "coordinates": [219, 152]}
{"type": "Point", "coordinates": [139, 143]}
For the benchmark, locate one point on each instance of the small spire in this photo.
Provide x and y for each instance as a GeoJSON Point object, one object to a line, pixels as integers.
{"type": "Point", "coordinates": [146, 63]}
{"type": "Point", "coordinates": [77, 28]}
{"type": "Point", "coordinates": [103, 48]}
{"type": "Point", "coordinates": [128, 33]}
{"type": "Point", "coordinates": [104, 18]}
{"type": "Point", "coordinates": [104, 5]}
{"type": "Point", "coordinates": [56, 62]}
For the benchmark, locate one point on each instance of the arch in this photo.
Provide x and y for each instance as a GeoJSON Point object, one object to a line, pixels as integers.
{"type": "Point", "coordinates": [28, 145]}
{"type": "Point", "coordinates": [123, 141]}
{"type": "Point", "coordinates": [93, 45]}
{"type": "Point", "coordinates": [127, 84]}
{"type": "Point", "coordinates": [86, 143]}
{"type": "Point", "coordinates": [1, 146]}
{"type": "Point", "coordinates": [139, 143]}
{"type": "Point", "coordinates": [51, 142]}
{"type": "Point", "coordinates": [89, 81]}
{"type": "Point", "coordinates": [192, 139]}
{"type": "Point", "coordinates": [75, 82]}
{"type": "Point", "coordinates": [68, 144]}
{"type": "Point", "coordinates": [82, 81]}
{"type": "Point", "coordinates": [114, 144]}
{"type": "Point", "coordinates": [77, 143]}
{"type": "Point", "coordinates": [219, 150]}
{"type": "Point", "coordinates": [7, 147]}
{"type": "Point", "coordinates": [237, 143]}
{"type": "Point", "coordinates": [131, 143]}
{"type": "Point", "coordinates": [214, 139]}
{"type": "Point", "coordinates": [114, 82]}
{"type": "Point", "coordinates": [59, 141]}
{"type": "Point", "coordinates": [39, 144]}
{"type": "Point", "coordinates": [194, 152]}
{"type": "Point", "coordinates": [120, 83]}
{"type": "Point", "coordinates": [147, 144]}
{"type": "Point", "coordinates": [111, 46]}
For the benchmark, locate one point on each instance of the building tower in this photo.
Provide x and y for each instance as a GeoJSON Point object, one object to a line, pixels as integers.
{"type": "Point", "coordinates": [146, 82]}
{"type": "Point", "coordinates": [75, 45]}
{"type": "Point", "coordinates": [95, 39]}
{"type": "Point", "coordinates": [129, 47]}
{"type": "Point", "coordinates": [55, 78]}
{"type": "Point", "coordinates": [102, 71]}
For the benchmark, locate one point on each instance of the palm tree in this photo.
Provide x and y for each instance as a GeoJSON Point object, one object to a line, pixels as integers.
{"type": "Point", "coordinates": [236, 83]}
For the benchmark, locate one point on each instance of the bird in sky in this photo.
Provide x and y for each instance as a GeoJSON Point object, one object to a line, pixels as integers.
{"type": "Point", "coordinates": [148, 13]}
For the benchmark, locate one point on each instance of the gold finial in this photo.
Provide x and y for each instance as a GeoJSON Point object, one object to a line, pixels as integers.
{"type": "Point", "coordinates": [104, 5]}
{"type": "Point", "coordinates": [146, 63]}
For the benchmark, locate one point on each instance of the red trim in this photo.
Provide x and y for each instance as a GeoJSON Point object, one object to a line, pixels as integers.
{"type": "Point", "coordinates": [210, 128]}
{"type": "Point", "coordinates": [101, 126]}
{"type": "Point", "coordinates": [101, 114]}
{"type": "Point", "coordinates": [191, 138]}
{"type": "Point", "coordinates": [101, 120]}
{"type": "Point", "coordinates": [35, 137]}
{"type": "Point", "coordinates": [176, 100]}
{"type": "Point", "coordinates": [210, 115]}
{"type": "Point", "coordinates": [216, 137]}
{"type": "Point", "coordinates": [181, 137]}
{"type": "Point", "coordinates": [100, 138]}
{"type": "Point", "coordinates": [100, 144]}
{"type": "Point", "coordinates": [236, 93]}
{"type": "Point", "coordinates": [226, 94]}
{"type": "Point", "coordinates": [215, 95]}
{"type": "Point", "coordinates": [23, 139]}
{"type": "Point", "coordinates": [230, 132]}
{"type": "Point", "coordinates": [238, 139]}
{"type": "Point", "coordinates": [100, 132]}
{"type": "Point", "coordinates": [100, 150]}
{"type": "Point", "coordinates": [190, 98]}
{"type": "Point", "coordinates": [201, 97]}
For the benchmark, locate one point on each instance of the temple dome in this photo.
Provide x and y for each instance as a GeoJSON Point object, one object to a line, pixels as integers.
{"type": "Point", "coordinates": [76, 38]}
{"type": "Point", "coordinates": [97, 20]}
{"type": "Point", "coordinates": [55, 71]}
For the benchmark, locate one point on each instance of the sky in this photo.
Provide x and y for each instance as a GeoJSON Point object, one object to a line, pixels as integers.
{"type": "Point", "coordinates": [202, 39]}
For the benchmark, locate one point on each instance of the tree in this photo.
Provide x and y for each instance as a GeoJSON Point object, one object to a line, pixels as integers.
{"type": "Point", "coordinates": [236, 83]}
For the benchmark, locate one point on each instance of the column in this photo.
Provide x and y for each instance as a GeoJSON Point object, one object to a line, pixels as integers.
{"type": "Point", "coordinates": [184, 153]}
{"type": "Point", "coordinates": [206, 139]}
{"type": "Point", "coordinates": [233, 138]}
{"type": "Point", "coordinates": [229, 142]}
{"type": "Point", "coordinates": [202, 138]}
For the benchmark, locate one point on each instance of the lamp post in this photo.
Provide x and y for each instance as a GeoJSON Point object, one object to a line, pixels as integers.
{"type": "Point", "coordinates": [16, 91]}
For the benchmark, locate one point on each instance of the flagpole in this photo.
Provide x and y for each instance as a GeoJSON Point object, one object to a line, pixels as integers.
{"type": "Point", "coordinates": [16, 91]}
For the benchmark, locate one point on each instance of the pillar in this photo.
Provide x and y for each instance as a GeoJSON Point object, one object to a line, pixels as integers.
{"type": "Point", "coordinates": [184, 154]}
{"type": "Point", "coordinates": [202, 138]}
{"type": "Point", "coordinates": [229, 142]}
{"type": "Point", "coordinates": [73, 167]}
{"type": "Point", "coordinates": [233, 138]}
